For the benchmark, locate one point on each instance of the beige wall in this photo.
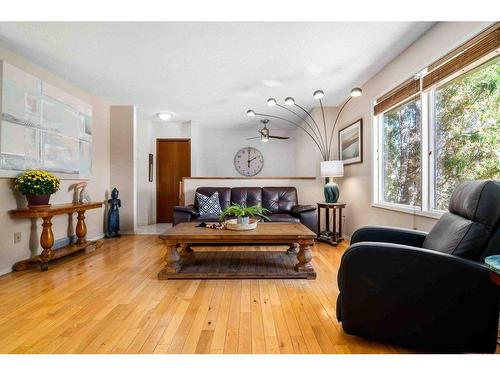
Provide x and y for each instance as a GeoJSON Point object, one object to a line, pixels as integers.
{"type": "Point", "coordinates": [356, 186]}
{"type": "Point", "coordinates": [122, 166]}
{"type": "Point", "coordinates": [98, 184]}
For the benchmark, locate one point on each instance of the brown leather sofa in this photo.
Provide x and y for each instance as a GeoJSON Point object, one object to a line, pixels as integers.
{"type": "Point", "coordinates": [281, 202]}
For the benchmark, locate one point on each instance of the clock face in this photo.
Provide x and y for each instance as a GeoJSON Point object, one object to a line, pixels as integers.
{"type": "Point", "coordinates": [248, 161]}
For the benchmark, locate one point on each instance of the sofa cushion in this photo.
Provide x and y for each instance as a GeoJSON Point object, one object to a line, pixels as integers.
{"type": "Point", "coordinates": [279, 200]}
{"type": "Point", "coordinates": [247, 196]}
{"type": "Point", "coordinates": [208, 206]}
{"type": "Point", "coordinates": [283, 218]}
{"type": "Point", "coordinates": [224, 195]}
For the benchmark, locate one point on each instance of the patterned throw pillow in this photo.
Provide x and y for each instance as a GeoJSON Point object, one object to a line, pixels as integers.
{"type": "Point", "coordinates": [208, 206]}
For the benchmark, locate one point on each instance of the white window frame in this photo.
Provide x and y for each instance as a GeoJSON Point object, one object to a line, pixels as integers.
{"type": "Point", "coordinates": [427, 142]}
{"type": "Point", "coordinates": [378, 173]}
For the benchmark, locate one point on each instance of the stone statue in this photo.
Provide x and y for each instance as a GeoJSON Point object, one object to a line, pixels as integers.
{"type": "Point", "coordinates": [114, 214]}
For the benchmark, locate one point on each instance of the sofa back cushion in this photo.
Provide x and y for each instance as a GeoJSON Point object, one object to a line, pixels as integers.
{"type": "Point", "coordinates": [471, 223]}
{"type": "Point", "coordinates": [247, 196]}
{"type": "Point", "coordinates": [279, 200]}
{"type": "Point", "coordinates": [224, 195]}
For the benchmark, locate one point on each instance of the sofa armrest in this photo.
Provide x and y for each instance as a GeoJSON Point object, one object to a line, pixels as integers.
{"type": "Point", "coordinates": [300, 209]}
{"type": "Point", "coordinates": [395, 235]}
{"type": "Point", "coordinates": [417, 298]}
{"type": "Point", "coordinates": [187, 209]}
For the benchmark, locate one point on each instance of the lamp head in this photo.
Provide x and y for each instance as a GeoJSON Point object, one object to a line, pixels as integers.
{"type": "Point", "coordinates": [355, 92]}
{"type": "Point", "coordinates": [271, 102]}
{"type": "Point", "coordinates": [251, 113]}
{"type": "Point", "coordinates": [318, 94]}
{"type": "Point", "coordinates": [289, 101]}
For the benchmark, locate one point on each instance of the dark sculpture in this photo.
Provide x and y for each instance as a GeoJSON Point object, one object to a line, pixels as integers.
{"type": "Point", "coordinates": [114, 214]}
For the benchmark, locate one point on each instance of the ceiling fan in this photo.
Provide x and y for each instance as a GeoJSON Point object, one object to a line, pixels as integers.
{"type": "Point", "coordinates": [264, 133]}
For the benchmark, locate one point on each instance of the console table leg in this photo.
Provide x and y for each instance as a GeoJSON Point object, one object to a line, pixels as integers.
{"type": "Point", "coordinates": [304, 257]}
{"type": "Point", "coordinates": [81, 228]}
{"type": "Point", "coordinates": [46, 241]}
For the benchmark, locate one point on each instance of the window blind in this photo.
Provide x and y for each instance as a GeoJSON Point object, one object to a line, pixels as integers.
{"type": "Point", "coordinates": [406, 90]}
{"type": "Point", "coordinates": [482, 45]}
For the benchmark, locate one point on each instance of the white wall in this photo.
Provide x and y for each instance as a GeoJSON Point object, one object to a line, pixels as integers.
{"type": "Point", "coordinates": [122, 168]}
{"type": "Point", "coordinates": [357, 182]}
{"type": "Point", "coordinates": [212, 154]}
{"type": "Point", "coordinates": [98, 185]}
{"type": "Point", "coordinates": [218, 146]}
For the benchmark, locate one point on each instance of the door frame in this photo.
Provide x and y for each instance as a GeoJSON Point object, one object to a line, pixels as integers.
{"type": "Point", "coordinates": [158, 141]}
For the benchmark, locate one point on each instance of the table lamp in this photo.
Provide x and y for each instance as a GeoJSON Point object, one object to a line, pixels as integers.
{"type": "Point", "coordinates": [330, 169]}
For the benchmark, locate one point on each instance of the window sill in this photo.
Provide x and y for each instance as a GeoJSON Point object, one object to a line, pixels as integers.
{"type": "Point", "coordinates": [429, 214]}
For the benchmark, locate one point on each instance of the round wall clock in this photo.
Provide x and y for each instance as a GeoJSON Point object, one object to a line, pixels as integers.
{"type": "Point", "coordinates": [248, 161]}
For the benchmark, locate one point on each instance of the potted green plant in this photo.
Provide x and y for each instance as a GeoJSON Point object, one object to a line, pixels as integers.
{"type": "Point", "coordinates": [243, 214]}
{"type": "Point", "coordinates": [37, 186]}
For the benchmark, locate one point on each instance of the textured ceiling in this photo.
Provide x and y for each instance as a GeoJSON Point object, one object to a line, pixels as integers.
{"type": "Point", "coordinates": [212, 72]}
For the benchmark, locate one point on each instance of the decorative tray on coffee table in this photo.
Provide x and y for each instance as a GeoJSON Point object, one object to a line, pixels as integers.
{"type": "Point", "coordinates": [232, 224]}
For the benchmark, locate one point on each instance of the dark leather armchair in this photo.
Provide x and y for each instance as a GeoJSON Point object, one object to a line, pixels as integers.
{"type": "Point", "coordinates": [427, 291]}
{"type": "Point", "coordinates": [282, 203]}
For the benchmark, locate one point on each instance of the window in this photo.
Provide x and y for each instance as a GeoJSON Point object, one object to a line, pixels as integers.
{"type": "Point", "coordinates": [438, 129]}
{"type": "Point", "coordinates": [401, 154]}
{"type": "Point", "coordinates": [466, 131]}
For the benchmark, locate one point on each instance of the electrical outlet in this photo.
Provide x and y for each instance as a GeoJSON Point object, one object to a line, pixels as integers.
{"type": "Point", "coordinates": [17, 237]}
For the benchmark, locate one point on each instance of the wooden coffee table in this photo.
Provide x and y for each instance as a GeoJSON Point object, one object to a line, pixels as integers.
{"type": "Point", "coordinates": [184, 263]}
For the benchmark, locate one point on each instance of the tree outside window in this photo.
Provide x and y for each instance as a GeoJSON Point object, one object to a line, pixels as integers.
{"type": "Point", "coordinates": [466, 131]}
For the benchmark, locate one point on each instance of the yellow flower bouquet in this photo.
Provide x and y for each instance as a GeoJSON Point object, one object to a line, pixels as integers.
{"type": "Point", "coordinates": [37, 185]}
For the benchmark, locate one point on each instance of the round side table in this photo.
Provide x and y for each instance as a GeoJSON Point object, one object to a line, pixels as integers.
{"type": "Point", "coordinates": [493, 262]}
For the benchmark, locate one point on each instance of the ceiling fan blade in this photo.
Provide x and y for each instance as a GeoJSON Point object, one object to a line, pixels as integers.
{"type": "Point", "coordinates": [253, 138]}
{"type": "Point", "coordinates": [276, 137]}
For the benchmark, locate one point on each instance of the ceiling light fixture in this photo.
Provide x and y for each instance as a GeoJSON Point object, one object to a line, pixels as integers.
{"type": "Point", "coordinates": [164, 116]}
{"type": "Point", "coordinates": [355, 92]}
{"type": "Point", "coordinates": [251, 113]}
{"type": "Point", "coordinates": [289, 101]}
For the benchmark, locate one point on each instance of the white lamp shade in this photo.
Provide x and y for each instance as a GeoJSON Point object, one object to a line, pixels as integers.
{"type": "Point", "coordinates": [332, 168]}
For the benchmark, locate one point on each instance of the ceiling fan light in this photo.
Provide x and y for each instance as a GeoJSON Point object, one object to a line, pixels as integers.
{"type": "Point", "coordinates": [264, 138]}
{"type": "Point", "coordinates": [355, 92]}
{"type": "Point", "coordinates": [289, 101]}
{"type": "Point", "coordinates": [251, 113]}
{"type": "Point", "coordinates": [318, 94]}
{"type": "Point", "coordinates": [271, 102]}
{"type": "Point", "coordinates": [164, 116]}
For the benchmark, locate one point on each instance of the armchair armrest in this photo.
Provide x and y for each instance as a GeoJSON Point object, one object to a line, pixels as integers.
{"type": "Point", "coordinates": [395, 235]}
{"type": "Point", "coordinates": [300, 209]}
{"type": "Point", "coordinates": [418, 298]}
{"type": "Point", "coordinates": [187, 209]}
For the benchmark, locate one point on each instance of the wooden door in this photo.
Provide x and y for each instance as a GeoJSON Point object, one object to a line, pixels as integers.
{"type": "Point", "coordinates": [173, 162]}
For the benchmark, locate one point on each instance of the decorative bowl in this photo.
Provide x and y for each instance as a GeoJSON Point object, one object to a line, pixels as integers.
{"type": "Point", "coordinates": [232, 224]}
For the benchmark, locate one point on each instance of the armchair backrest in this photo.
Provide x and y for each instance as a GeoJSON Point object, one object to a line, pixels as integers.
{"type": "Point", "coordinates": [470, 228]}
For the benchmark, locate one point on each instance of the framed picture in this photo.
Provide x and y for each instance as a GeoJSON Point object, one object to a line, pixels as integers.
{"type": "Point", "coordinates": [150, 167]}
{"type": "Point", "coordinates": [351, 143]}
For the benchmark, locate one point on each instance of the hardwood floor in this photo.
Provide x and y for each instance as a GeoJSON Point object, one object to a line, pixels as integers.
{"type": "Point", "coordinates": [110, 301]}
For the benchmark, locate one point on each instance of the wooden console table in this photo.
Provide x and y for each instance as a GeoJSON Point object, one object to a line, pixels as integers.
{"type": "Point", "coordinates": [47, 237]}
{"type": "Point", "coordinates": [332, 237]}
